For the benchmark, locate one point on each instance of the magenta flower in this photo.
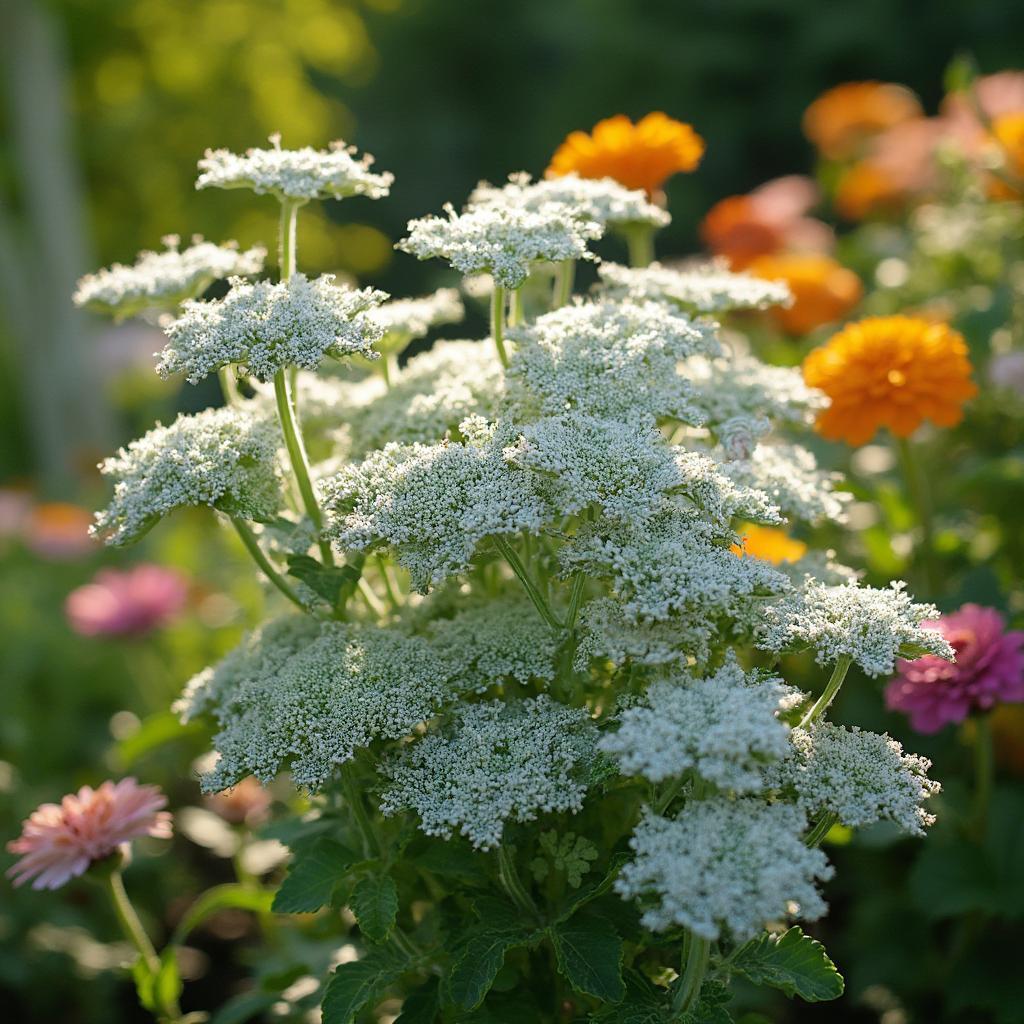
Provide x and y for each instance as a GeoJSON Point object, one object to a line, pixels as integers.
{"type": "Point", "coordinates": [60, 841]}
{"type": "Point", "coordinates": [119, 603]}
{"type": "Point", "coordinates": [989, 670]}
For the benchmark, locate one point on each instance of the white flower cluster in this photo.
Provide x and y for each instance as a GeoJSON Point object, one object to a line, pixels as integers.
{"type": "Point", "coordinates": [163, 280]}
{"type": "Point", "coordinates": [433, 503]}
{"type": "Point", "coordinates": [295, 174]}
{"type": "Point", "coordinates": [697, 288]}
{"type": "Point", "coordinates": [304, 694]}
{"type": "Point", "coordinates": [724, 866]}
{"type": "Point", "coordinates": [498, 640]}
{"type": "Point", "coordinates": [602, 200]}
{"type": "Point", "coordinates": [428, 399]}
{"type": "Point", "coordinates": [612, 359]}
{"type": "Point", "coordinates": [861, 777]}
{"type": "Point", "coordinates": [738, 384]}
{"type": "Point", "coordinates": [872, 627]}
{"type": "Point", "coordinates": [725, 728]}
{"type": "Point", "coordinates": [606, 632]}
{"type": "Point", "coordinates": [405, 319]}
{"type": "Point", "coordinates": [221, 457]}
{"type": "Point", "coordinates": [265, 326]}
{"type": "Point", "coordinates": [503, 241]}
{"type": "Point", "coordinates": [497, 761]}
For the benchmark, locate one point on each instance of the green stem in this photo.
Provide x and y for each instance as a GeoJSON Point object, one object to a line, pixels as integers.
{"type": "Point", "coordinates": [513, 884]}
{"type": "Point", "coordinates": [829, 693]}
{"type": "Point", "coordinates": [286, 238]}
{"type": "Point", "coordinates": [565, 277]}
{"type": "Point", "coordinates": [389, 369]}
{"type": "Point", "coordinates": [515, 307]}
{"type": "Point", "coordinates": [252, 545]}
{"type": "Point", "coordinates": [229, 386]}
{"type": "Point", "coordinates": [579, 582]}
{"type": "Point", "coordinates": [984, 772]}
{"type": "Point", "coordinates": [821, 829]}
{"type": "Point", "coordinates": [668, 794]}
{"type": "Point", "coordinates": [389, 583]}
{"type": "Point", "coordinates": [531, 588]}
{"type": "Point", "coordinates": [299, 461]}
{"type": "Point", "coordinates": [354, 799]}
{"type": "Point", "coordinates": [640, 241]}
{"type": "Point", "coordinates": [920, 500]}
{"type": "Point", "coordinates": [498, 322]}
{"type": "Point", "coordinates": [373, 602]}
{"type": "Point", "coordinates": [695, 959]}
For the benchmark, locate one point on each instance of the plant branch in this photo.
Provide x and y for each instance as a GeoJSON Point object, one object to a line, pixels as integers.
{"type": "Point", "coordinates": [531, 588]}
{"type": "Point", "coordinates": [252, 545]}
{"type": "Point", "coordinates": [829, 693]}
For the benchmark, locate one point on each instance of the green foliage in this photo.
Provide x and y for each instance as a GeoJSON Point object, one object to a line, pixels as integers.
{"type": "Point", "coordinates": [358, 983]}
{"type": "Point", "coordinates": [571, 854]}
{"type": "Point", "coordinates": [589, 952]}
{"type": "Point", "coordinates": [316, 872]}
{"type": "Point", "coordinates": [374, 901]}
{"type": "Point", "coordinates": [793, 962]}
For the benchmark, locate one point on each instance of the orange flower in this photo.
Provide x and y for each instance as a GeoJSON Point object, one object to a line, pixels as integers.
{"type": "Point", "coordinates": [843, 118]}
{"type": "Point", "coordinates": [59, 531]}
{"type": "Point", "coordinates": [890, 371]}
{"type": "Point", "coordinates": [823, 289]}
{"type": "Point", "coordinates": [1009, 133]}
{"type": "Point", "coordinates": [770, 544]}
{"type": "Point", "coordinates": [864, 188]}
{"type": "Point", "coordinates": [642, 155]}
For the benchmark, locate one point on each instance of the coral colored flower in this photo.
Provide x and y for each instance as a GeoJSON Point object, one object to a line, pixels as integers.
{"type": "Point", "coordinates": [890, 371]}
{"type": "Point", "coordinates": [60, 841]}
{"type": "Point", "coordinates": [771, 218]}
{"type": "Point", "coordinates": [117, 603]}
{"type": "Point", "coordinates": [842, 119]}
{"type": "Point", "coordinates": [996, 95]}
{"type": "Point", "coordinates": [989, 670]}
{"type": "Point", "coordinates": [642, 155]}
{"type": "Point", "coordinates": [771, 544]}
{"type": "Point", "coordinates": [59, 531]}
{"type": "Point", "coordinates": [823, 289]}
{"type": "Point", "coordinates": [244, 804]}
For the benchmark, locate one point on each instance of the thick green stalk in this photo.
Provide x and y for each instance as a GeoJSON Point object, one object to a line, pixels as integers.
{"type": "Point", "coordinates": [252, 545]}
{"type": "Point", "coordinates": [565, 277]}
{"type": "Point", "coordinates": [920, 500]}
{"type": "Point", "coordinates": [579, 582]}
{"type": "Point", "coordinates": [228, 386]}
{"type": "Point", "coordinates": [531, 588]}
{"type": "Point", "coordinates": [515, 307]}
{"type": "Point", "coordinates": [513, 884]}
{"type": "Point", "coordinates": [695, 958]}
{"type": "Point", "coordinates": [498, 322]}
{"type": "Point", "coordinates": [354, 800]}
{"type": "Point", "coordinates": [390, 588]}
{"type": "Point", "coordinates": [640, 240]}
{"type": "Point", "coordinates": [286, 238]}
{"type": "Point", "coordinates": [821, 829]}
{"type": "Point", "coordinates": [829, 693]}
{"type": "Point", "coordinates": [389, 369]}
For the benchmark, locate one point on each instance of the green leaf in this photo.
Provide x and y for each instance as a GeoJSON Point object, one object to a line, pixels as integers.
{"type": "Point", "coordinates": [594, 887]}
{"type": "Point", "coordinates": [221, 897]}
{"type": "Point", "coordinates": [325, 581]}
{"type": "Point", "coordinates": [158, 989]}
{"type": "Point", "coordinates": [474, 971]}
{"type": "Point", "coordinates": [589, 955]}
{"type": "Point", "coordinates": [450, 859]}
{"type": "Point", "coordinates": [794, 963]}
{"type": "Point", "coordinates": [314, 872]}
{"type": "Point", "coordinates": [244, 1007]}
{"type": "Point", "coordinates": [710, 1008]}
{"type": "Point", "coordinates": [421, 1005]}
{"type": "Point", "coordinates": [374, 901]}
{"type": "Point", "coordinates": [355, 984]}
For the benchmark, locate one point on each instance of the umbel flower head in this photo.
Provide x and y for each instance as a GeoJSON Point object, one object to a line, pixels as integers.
{"type": "Point", "coordinates": [496, 761]}
{"type": "Point", "coordinates": [846, 117]}
{"type": "Point", "coordinates": [725, 728]}
{"type": "Point", "coordinates": [126, 603]}
{"type": "Point", "coordinates": [501, 240]}
{"type": "Point", "coordinates": [989, 670]}
{"type": "Point", "coordinates": [265, 326]}
{"type": "Point", "coordinates": [642, 155]}
{"type": "Point", "coordinates": [890, 371]}
{"type": "Point", "coordinates": [861, 777]}
{"type": "Point", "coordinates": [163, 280]}
{"type": "Point", "coordinates": [603, 201]}
{"type": "Point", "coordinates": [823, 290]}
{"type": "Point", "coordinates": [221, 457]}
{"type": "Point", "coordinates": [295, 174]}
{"type": "Point", "coordinates": [59, 842]}
{"type": "Point", "coordinates": [724, 866]}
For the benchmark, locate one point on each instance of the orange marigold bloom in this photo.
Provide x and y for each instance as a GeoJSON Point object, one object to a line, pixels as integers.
{"type": "Point", "coordinates": [642, 155]}
{"type": "Point", "coordinates": [890, 371]}
{"type": "Point", "coordinates": [864, 189]}
{"type": "Point", "coordinates": [843, 118]}
{"type": "Point", "coordinates": [771, 544]}
{"type": "Point", "coordinates": [1009, 133]}
{"type": "Point", "coordinates": [823, 289]}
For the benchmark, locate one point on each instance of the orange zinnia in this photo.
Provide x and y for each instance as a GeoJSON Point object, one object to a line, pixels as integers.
{"type": "Point", "coordinates": [890, 371]}
{"type": "Point", "coordinates": [770, 544]}
{"type": "Point", "coordinates": [823, 289]}
{"type": "Point", "coordinates": [642, 155]}
{"type": "Point", "coordinates": [1009, 133]}
{"type": "Point", "coordinates": [865, 189]}
{"type": "Point", "coordinates": [843, 118]}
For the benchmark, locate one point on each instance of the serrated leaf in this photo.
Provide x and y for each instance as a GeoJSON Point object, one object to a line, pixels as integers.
{"type": "Point", "coordinates": [710, 1008]}
{"type": "Point", "coordinates": [314, 871]}
{"type": "Point", "coordinates": [374, 901]}
{"type": "Point", "coordinates": [356, 983]}
{"type": "Point", "coordinates": [325, 581]}
{"type": "Point", "coordinates": [794, 963]}
{"type": "Point", "coordinates": [421, 1005]}
{"type": "Point", "coordinates": [590, 957]}
{"type": "Point", "coordinates": [594, 887]}
{"type": "Point", "coordinates": [474, 971]}
{"type": "Point", "coordinates": [450, 859]}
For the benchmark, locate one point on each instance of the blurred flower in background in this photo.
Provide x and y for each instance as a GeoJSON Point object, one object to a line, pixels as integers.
{"type": "Point", "coordinates": [130, 602]}
{"type": "Point", "coordinates": [843, 119]}
{"type": "Point", "coordinates": [247, 803]}
{"type": "Point", "coordinates": [823, 290]}
{"type": "Point", "coordinates": [1006, 372]}
{"type": "Point", "coordinates": [768, 542]}
{"type": "Point", "coordinates": [60, 841]}
{"type": "Point", "coordinates": [59, 531]}
{"type": "Point", "coordinates": [989, 669]}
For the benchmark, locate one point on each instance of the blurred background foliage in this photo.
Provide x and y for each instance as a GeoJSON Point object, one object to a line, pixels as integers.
{"type": "Point", "coordinates": [107, 106]}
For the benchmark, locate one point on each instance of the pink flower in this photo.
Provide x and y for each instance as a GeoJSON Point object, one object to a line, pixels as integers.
{"type": "Point", "coordinates": [989, 669]}
{"type": "Point", "coordinates": [247, 803]}
{"type": "Point", "coordinates": [60, 841]}
{"type": "Point", "coordinates": [118, 603]}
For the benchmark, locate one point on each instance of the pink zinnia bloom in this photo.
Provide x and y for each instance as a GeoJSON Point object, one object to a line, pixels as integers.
{"type": "Point", "coordinates": [60, 841]}
{"type": "Point", "coordinates": [989, 669]}
{"type": "Point", "coordinates": [246, 803]}
{"type": "Point", "coordinates": [118, 603]}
